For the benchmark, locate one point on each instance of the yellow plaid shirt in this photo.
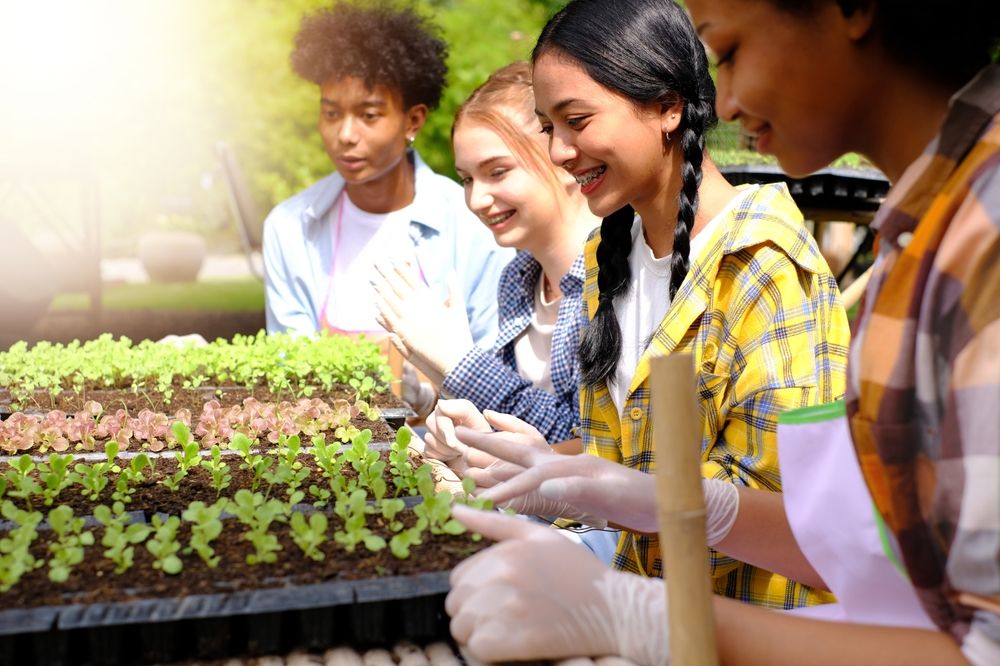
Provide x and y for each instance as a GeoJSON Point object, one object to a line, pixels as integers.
{"type": "Point", "coordinates": [761, 314]}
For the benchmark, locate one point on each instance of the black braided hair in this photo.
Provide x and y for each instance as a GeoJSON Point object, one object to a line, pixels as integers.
{"type": "Point", "coordinates": [695, 122]}
{"type": "Point", "coordinates": [601, 343]}
{"type": "Point", "coordinates": [648, 51]}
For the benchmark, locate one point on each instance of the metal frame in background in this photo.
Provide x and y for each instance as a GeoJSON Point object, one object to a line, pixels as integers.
{"type": "Point", "coordinates": [244, 209]}
{"type": "Point", "coordinates": [829, 195]}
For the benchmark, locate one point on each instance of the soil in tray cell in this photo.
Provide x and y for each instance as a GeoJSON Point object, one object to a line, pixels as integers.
{"type": "Point", "coordinates": [193, 399]}
{"type": "Point", "coordinates": [94, 580]}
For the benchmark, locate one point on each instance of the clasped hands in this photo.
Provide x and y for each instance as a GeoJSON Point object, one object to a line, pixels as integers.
{"type": "Point", "coordinates": [432, 334]}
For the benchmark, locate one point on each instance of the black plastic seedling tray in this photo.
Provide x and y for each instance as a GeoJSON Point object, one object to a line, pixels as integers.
{"type": "Point", "coordinates": [213, 626]}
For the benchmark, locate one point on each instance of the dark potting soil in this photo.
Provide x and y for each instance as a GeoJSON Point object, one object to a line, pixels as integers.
{"type": "Point", "coordinates": [152, 496]}
{"type": "Point", "coordinates": [193, 400]}
{"type": "Point", "coordinates": [94, 580]}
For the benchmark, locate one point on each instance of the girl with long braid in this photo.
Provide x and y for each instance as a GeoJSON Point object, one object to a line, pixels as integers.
{"type": "Point", "coordinates": [683, 262]}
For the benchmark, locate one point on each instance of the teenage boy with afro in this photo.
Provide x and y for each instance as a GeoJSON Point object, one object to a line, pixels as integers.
{"type": "Point", "coordinates": [379, 68]}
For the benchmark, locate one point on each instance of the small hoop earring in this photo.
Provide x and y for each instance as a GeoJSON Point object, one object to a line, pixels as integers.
{"type": "Point", "coordinates": [666, 136]}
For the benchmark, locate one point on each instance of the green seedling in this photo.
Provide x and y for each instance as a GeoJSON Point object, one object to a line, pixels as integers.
{"type": "Point", "coordinates": [94, 478]}
{"type": "Point", "coordinates": [400, 544]}
{"type": "Point", "coordinates": [330, 464]}
{"type": "Point", "coordinates": [399, 463]}
{"type": "Point", "coordinates": [257, 513]}
{"type": "Point", "coordinates": [67, 548]}
{"type": "Point", "coordinates": [434, 513]}
{"type": "Point", "coordinates": [219, 470]}
{"type": "Point", "coordinates": [120, 537]}
{"type": "Point", "coordinates": [163, 545]}
{"type": "Point", "coordinates": [368, 411]}
{"type": "Point", "coordinates": [367, 464]}
{"type": "Point", "coordinates": [390, 509]}
{"type": "Point", "coordinates": [205, 528]}
{"type": "Point", "coordinates": [130, 477]}
{"type": "Point", "coordinates": [310, 535]}
{"type": "Point", "coordinates": [353, 510]}
{"type": "Point", "coordinates": [15, 546]}
{"type": "Point", "coordinates": [286, 475]}
{"type": "Point", "coordinates": [56, 476]}
{"type": "Point", "coordinates": [363, 385]}
{"type": "Point", "coordinates": [188, 457]}
{"type": "Point", "coordinates": [253, 462]}
{"type": "Point", "coordinates": [21, 482]}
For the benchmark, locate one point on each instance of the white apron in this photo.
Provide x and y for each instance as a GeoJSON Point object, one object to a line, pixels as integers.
{"type": "Point", "coordinates": [837, 526]}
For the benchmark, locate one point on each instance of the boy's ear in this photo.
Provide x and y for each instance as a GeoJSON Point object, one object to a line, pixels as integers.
{"type": "Point", "coordinates": [416, 116]}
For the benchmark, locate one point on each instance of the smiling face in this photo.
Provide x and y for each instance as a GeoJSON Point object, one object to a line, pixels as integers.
{"type": "Point", "coordinates": [796, 82]}
{"type": "Point", "coordinates": [365, 129]}
{"type": "Point", "coordinates": [520, 206]}
{"type": "Point", "coordinates": [609, 143]}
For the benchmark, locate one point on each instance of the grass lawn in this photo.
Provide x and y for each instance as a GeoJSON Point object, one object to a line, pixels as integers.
{"type": "Point", "coordinates": [224, 295]}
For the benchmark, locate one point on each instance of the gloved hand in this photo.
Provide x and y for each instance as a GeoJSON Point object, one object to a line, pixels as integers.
{"type": "Point", "coordinates": [419, 395]}
{"type": "Point", "coordinates": [485, 469]}
{"type": "Point", "coordinates": [440, 442]}
{"type": "Point", "coordinates": [587, 488]}
{"type": "Point", "coordinates": [432, 335]}
{"type": "Point", "coordinates": [537, 595]}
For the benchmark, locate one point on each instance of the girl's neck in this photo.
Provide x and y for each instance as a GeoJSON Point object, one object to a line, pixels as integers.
{"type": "Point", "coordinates": [659, 214]}
{"type": "Point", "coordinates": [392, 191]}
{"type": "Point", "coordinates": [556, 256]}
{"type": "Point", "coordinates": [906, 115]}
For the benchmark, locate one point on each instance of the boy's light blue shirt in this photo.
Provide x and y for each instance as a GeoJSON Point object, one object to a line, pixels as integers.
{"type": "Point", "coordinates": [446, 236]}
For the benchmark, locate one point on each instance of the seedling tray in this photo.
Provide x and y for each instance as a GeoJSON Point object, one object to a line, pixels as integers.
{"type": "Point", "coordinates": [213, 626]}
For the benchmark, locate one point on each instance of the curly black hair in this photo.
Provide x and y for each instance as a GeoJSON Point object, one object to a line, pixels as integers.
{"type": "Point", "coordinates": [381, 43]}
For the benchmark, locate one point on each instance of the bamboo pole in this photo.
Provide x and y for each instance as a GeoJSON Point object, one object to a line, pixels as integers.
{"type": "Point", "coordinates": [681, 510]}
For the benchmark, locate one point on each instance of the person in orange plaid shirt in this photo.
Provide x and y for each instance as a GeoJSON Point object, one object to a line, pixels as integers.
{"type": "Point", "coordinates": [915, 87]}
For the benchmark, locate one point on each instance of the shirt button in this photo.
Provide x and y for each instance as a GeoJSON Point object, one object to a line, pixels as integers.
{"type": "Point", "coordinates": [636, 413]}
{"type": "Point", "coordinates": [904, 239]}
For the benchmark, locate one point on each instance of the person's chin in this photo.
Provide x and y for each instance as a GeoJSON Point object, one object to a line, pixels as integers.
{"type": "Point", "coordinates": [605, 204]}
{"type": "Point", "coordinates": [798, 164]}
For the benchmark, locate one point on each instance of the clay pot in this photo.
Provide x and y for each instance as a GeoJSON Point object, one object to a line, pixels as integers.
{"type": "Point", "coordinates": [171, 256]}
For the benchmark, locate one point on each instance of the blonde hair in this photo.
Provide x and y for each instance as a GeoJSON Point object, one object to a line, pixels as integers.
{"type": "Point", "coordinates": [505, 104]}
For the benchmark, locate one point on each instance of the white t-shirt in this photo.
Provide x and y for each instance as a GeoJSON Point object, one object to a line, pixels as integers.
{"type": "Point", "coordinates": [533, 347]}
{"type": "Point", "coordinates": [359, 240]}
{"type": "Point", "coordinates": [641, 310]}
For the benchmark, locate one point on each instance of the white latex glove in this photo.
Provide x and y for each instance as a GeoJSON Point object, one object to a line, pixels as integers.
{"type": "Point", "coordinates": [440, 442]}
{"type": "Point", "coordinates": [432, 335]}
{"type": "Point", "coordinates": [590, 489]}
{"type": "Point", "coordinates": [419, 395]}
{"type": "Point", "coordinates": [537, 595]}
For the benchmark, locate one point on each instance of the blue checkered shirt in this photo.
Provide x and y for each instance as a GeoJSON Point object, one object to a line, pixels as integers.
{"type": "Point", "coordinates": [489, 379]}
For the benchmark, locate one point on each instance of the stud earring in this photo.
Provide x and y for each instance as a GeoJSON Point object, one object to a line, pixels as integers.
{"type": "Point", "coordinates": [410, 140]}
